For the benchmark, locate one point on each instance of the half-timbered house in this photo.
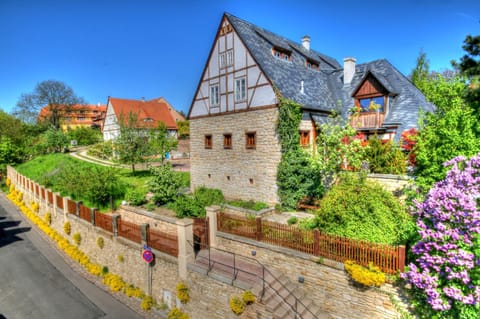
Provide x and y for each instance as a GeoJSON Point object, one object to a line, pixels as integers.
{"type": "Point", "coordinates": [148, 113]}
{"type": "Point", "coordinates": [234, 112]}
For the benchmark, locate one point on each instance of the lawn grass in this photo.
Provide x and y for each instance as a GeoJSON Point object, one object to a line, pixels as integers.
{"type": "Point", "coordinates": [43, 169]}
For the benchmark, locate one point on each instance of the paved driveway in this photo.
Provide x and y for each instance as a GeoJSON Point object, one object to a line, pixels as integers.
{"type": "Point", "coordinates": [35, 282]}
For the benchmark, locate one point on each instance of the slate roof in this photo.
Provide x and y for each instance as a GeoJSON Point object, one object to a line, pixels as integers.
{"type": "Point", "coordinates": [324, 90]}
{"type": "Point", "coordinates": [156, 109]}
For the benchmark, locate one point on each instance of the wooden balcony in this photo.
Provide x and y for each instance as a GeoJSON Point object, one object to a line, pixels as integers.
{"type": "Point", "coordinates": [367, 120]}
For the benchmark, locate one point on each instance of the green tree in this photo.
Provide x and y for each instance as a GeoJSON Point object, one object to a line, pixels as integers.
{"type": "Point", "coordinates": [54, 140]}
{"type": "Point", "coordinates": [183, 129]}
{"type": "Point", "coordinates": [55, 95]}
{"type": "Point", "coordinates": [421, 72]}
{"type": "Point", "coordinates": [469, 66]}
{"type": "Point", "coordinates": [131, 146]}
{"type": "Point", "coordinates": [85, 135]}
{"type": "Point", "coordinates": [10, 152]}
{"type": "Point", "coordinates": [160, 143]}
{"type": "Point", "coordinates": [448, 132]}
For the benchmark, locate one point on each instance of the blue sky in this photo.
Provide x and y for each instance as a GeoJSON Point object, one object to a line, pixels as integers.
{"type": "Point", "coordinates": [134, 49]}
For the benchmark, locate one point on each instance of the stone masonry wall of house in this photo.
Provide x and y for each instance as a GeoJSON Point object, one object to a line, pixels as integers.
{"type": "Point", "coordinates": [326, 283]}
{"type": "Point", "coordinates": [239, 172]}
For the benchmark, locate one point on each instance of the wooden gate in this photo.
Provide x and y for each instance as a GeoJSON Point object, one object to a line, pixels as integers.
{"type": "Point", "coordinates": [200, 234]}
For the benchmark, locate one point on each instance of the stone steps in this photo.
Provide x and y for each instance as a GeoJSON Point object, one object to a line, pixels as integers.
{"type": "Point", "coordinates": [282, 298]}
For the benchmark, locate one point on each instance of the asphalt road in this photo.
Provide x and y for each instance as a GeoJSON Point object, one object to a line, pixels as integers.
{"type": "Point", "coordinates": [35, 281]}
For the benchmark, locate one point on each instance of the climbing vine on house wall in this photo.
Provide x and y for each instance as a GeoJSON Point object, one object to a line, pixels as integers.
{"type": "Point", "coordinates": [296, 177]}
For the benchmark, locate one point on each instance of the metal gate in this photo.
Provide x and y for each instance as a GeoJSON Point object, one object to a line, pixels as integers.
{"type": "Point", "coordinates": [200, 234]}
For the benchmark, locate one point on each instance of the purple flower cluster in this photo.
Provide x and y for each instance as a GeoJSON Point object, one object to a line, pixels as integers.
{"type": "Point", "coordinates": [447, 265]}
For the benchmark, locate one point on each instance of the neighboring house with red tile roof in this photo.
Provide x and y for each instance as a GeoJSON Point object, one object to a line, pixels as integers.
{"type": "Point", "coordinates": [77, 116]}
{"type": "Point", "coordinates": [149, 114]}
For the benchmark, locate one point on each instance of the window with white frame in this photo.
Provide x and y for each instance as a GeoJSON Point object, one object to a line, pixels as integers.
{"type": "Point", "coordinates": [214, 95]}
{"type": "Point", "coordinates": [222, 60]}
{"type": "Point", "coordinates": [229, 57]}
{"type": "Point", "coordinates": [240, 90]}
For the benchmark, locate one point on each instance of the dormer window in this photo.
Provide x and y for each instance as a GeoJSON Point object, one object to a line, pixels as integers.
{"type": "Point", "coordinates": [371, 104]}
{"type": "Point", "coordinates": [312, 65]}
{"type": "Point", "coordinates": [282, 54]}
{"type": "Point", "coordinates": [148, 119]}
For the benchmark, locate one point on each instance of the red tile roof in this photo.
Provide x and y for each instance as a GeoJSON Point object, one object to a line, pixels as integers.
{"type": "Point", "coordinates": [74, 111]}
{"type": "Point", "coordinates": [159, 110]}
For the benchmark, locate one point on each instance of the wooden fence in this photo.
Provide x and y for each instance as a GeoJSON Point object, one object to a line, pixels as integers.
{"type": "Point", "coordinates": [59, 201]}
{"type": "Point", "coordinates": [104, 221]}
{"type": "Point", "coordinates": [129, 231]}
{"type": "Point", "coordinates": [71, 207]}
{"type": "Point", "coordinates": [389, 259]}
{"type": "Point", "coordinates": [50, 197]}
{"type": "Point", "coordinates": [164, 242]}
{"type": "Point", "coordinates": [85, 213]}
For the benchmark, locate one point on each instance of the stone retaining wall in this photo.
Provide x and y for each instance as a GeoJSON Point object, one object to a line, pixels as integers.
{"type": "Point", "coordinates": [326, 283]}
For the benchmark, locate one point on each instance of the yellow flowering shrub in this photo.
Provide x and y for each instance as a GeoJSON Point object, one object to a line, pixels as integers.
{"type": "Point", "coordinates": [371, 276]}
{"type": "Point", "coordinates": [48, 218]}
{"type": "Point", "coordinates": [176, 313]}
{"type": "Point", "coordinates": [115, 282]}
{"type": "Point", "coordinates": [67, 228]}
{"type": "Point", "coordinates": [8, 181]}
{"type": "Point", "coordinates": [35, 207]}
{"type": "Point", "coordinates": [147, 303]}
{"type": "Point", "coordinates": [77, 238]}
{"type": "Point", "coordinates": [248, 297]}
{"type": "Point", "coordinates": [100, 242]}
{"type": "Point", "coordinates": [182, 292]}
{"type": "Point", "coordinates": [94, 269]}
{"type": "Point", "coordinates": [120, 258]}
{"type": "Point", "coordinates": [132, 291]}
{"type": "Point", "coordinates": [237, 305]}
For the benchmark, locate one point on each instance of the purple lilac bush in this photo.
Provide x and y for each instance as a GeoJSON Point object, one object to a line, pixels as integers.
{"type": "Point", "coordinates": [445, 275]}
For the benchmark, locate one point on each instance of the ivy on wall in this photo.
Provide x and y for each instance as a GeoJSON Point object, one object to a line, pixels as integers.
{"type": "Point", "coordinates": [296, 177]}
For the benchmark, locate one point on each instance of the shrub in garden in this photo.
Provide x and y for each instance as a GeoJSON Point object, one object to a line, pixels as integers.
{"type": "Point", "coordinates": [194, 206]}
{"type": "Point", "coordinates": [164, 184]}
{"type": "Point", "coordinates": [385, 157]}
{"type": "Point", "coordinates": [67, 228]}
{"type": "Point", "coordinates": [237, 305]}
{"type": "Point", "coordinates": [135, 196]}
{"type": "Point", "coordinates": [292, 220]}
{"type": "Point", "coordinates": [208, 196]}
{"type": "Point", "coordinates": [445, 275]}
{"type": "Point", "coordinates": [363, 210]}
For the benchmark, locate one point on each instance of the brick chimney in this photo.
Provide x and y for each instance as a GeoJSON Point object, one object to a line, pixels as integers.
{"type": "Point", "coordinates": [348, 70]}
{"type": "Point", "coordinates": [306, 42]}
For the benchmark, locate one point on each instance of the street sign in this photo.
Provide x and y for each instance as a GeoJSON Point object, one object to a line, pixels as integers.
{"type": "Point", "coordinates": [147, 256]}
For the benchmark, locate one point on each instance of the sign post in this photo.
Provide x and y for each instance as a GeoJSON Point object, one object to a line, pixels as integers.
{"type": "Point", "coordinates": [149, 257]}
